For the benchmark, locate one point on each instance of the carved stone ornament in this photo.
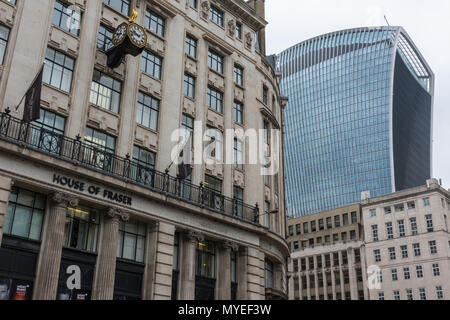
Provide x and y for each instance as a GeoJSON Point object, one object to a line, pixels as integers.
{"type": "Point", "coordinates": [194, 236]}
{"type": "Point", "coordinates": [230, 245]}
{"type": "Point", "coordinates": [115, 213]}
{"type": "Point", "coordinates": [248, 40]}
{"type": "Point", "coordinates": [62, 199]}
{"type": "Point", "coordinates": [205, 6]}
{"type": "Point", "coordinates": [231, 27]}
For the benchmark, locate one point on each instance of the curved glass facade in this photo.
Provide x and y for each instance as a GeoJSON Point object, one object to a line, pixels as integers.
{"type": "Point", "coordinates": [339, 120]}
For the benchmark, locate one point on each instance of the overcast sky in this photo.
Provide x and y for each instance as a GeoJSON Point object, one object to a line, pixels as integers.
{"type": "Point", "coordinates": [426, 21]}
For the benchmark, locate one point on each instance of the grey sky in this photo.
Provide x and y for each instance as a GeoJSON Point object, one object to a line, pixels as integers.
{"type": "Point", "coordinates": [427, 22]}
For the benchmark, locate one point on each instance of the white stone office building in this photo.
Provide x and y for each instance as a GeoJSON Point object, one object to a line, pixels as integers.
{"type": "Point", "coordinates": [86, 185]}
{"type": "Point", "coordinates": [408, 244]}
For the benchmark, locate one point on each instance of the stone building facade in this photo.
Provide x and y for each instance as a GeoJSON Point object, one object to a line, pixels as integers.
{"type": "Point", "coordinates": [328, 256]}
{"type": "Point", "coordinates": [88, 189]}
{"type": "Point", "coordinates": [408, 243]}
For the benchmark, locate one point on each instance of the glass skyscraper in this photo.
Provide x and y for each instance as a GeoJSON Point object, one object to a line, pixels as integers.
{"type": "Point", "coordinates": [359, 117]}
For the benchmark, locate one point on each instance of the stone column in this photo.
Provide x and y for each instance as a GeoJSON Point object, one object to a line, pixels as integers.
{"type": "Point", "coordinates": [341, 275]}
{"type": "Point", "coordinates": [352, 274]}
{"type": "Point", "coordinates": [316, 278]}
{"type": "Point", "coordinates": [105, 273]}
{"type": "Point", "coordinates": [364, 271]}
{"type": "Point", "coordinates": [187, 266]}
{"type": "Point", "coordinates": [333, 282]}
{"type": "Point", "coordinates": [291, 279]}
{"type": "Point", "coordinates": [308, 280]}
{"type": "Point", "coordinates": [49, 261]}
{"type": "Point", "coordinates": [5, 191]}
{"type": "Point", "coordinates": [324, 278]}
{"type": "Point", "coordinates": [223, 288]}
{"type": "Point", "coordinates": [300, 284]}
{"type": "Point", "coordinates": [242, 274]}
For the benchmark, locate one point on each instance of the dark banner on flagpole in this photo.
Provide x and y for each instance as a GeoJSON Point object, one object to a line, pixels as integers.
{"type": "Point", "coordinates": [33, 100]}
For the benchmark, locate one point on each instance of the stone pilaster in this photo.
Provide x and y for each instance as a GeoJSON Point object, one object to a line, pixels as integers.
{"type": "Point", "coordinates": [300, 283]}
{"type": "Point", "coordinates": [187, 266]}
{"type": "Point", "coordinates": [105, 274]}
{"type": "Point", "coordinates": [341, 275]}
{"type": "Point", "coordinates": [352, 274]}
{"type": "Point", "coordinates": [223, 288]}
{"type": "Point", "coordinates": [324, 278]}
{"type": "Point", "coordinates": [291, 278]}
{"type": "Point", "coordinates": [308, 279]}
{"type": "Point", "coordinates": [242, 274]}
{"type": "Point", "coordinates": [333, 276]}
{"type": "Point", "coordinates": [364, 271]}
{"type": "Point", "coordinates": [49, 262]}
{"type": "Point", "coordinates": [316, 278]}
{"type": "Point", "coordinates": [5, 191]}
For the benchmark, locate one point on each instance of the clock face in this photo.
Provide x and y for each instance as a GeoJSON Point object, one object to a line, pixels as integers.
{"type": "Point", "coordinates": [137, 35]}
{"type": "Point", "coordinates": [119, 35]}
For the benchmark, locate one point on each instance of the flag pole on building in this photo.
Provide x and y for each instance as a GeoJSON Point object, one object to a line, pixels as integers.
{"type": "Point", "coordinates": [33, 99]}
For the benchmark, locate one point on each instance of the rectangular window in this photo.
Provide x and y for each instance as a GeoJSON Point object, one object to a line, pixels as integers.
{"type": "Point", "coordinates": [313, 226]}
{"type": "Point", "coordinates": [387, 210]}
{"type": "Point", "coordinates": [239, 31]}
{"type": "Point", "coordinates": [390, 230]}
{"type": "Point", "coordinates": [380, 295]}
{"type": "Point", "coordinates": [216, 15]}
{"type": "Point", "coordinates": [375, 232]}
{"type": "Point", "coordinates": [104, 38]}
{"type": "Point", "coordinates": [394, 274]}
{"type": "Point", "coordinates": [396, 295]}
{"type": "Point", "coordinates": [419, 271]}
{"type": "Point", "coordinates": [105, 92]}
{"type": "Point", "coordinates": [81, 230]}
{"type": "Point", "coordinates": [337, 221]}
{"type": "Point", "coordinates": [48, 132]}
{"type": "Point", "coordinates": [429, 221]}
{"type": "Point", "coordinates": [66, 18]}
{"type": "Point", "coordinates": [214, 147]}
{"type": "Point", "coordinates": [4, 38]}
{"type": "Point", "coordinates": [191, 46]}
{"type": "Point", "coordinates": [122, 6]}
{"type": "Point", "coordinates": [189, 86]}
{"type": "Point", "coordinates": [433, 247]}
{"type": "Point", "coordinates": [142, 170]}
{"type": "Point", "coordinates": [373, 213]}
{"type": "Point", "coordinates": [426, 202]}
{"type": "Point", "coordinates": [404, 250]}
{"type": "Point", "coordinates": [345, 219]}
{"type": "Point", "coordinates": [353, 235]}
{"type": "Point", "coordinates": [377, 255]}
{"type": "Point", "coordinates": [131, 241]}
{"type": "Point", "coordinates": [291, 231]}
{"type": "Point", "coordinates": [416, 248]}
{"type": "Point", "coordinates": [58, 70]}
{"type": "Point", "coordinates": [206, 260]}
{"type": "Point", "coordinates": [215, 61]}
{"type": "Point", "coordinates": [439, 293]}
{"type": "Point", "coordinates": [422, 294]}
{"type": "Point", "coordinates": [305, 227]}
{"type": "Point", "coordinates": [392, 254]}
{"type": "Point", "coordinates": [193, 4]}
{"type": "Point", "coordinates": [321, 226]}
{"type": "Point", "coordinates": [401, 228]}
{"type": "Point", "coordinates": [100, 149]}
{"type": "Point", "coordinates": [413, 223]}
{"type": "Point", "coordinates": [411, 205]}
{"type": "Point", "coordinates": [155, 23]}
{"type": "Point", "coordinates": [25, 214]}
{"type": "Point", "coordinates": [399, 207]}
{"type": "Point", "coordinates": [354, 218]}
{"type": "Point", "coordinates": [213, 184]}
{"type": "Point", "coordinates": [215, 100]}
{"type": "Point", "coordinates": [238, 198]}
{"type": "Point", "coordinates": [436, 270]}
{"type": "Point", "coordinates": [409, 294]}
{"type": "Point", "coordinates": [406, 273]}
{"type": "Point", "coordinates": [238, 113]}
{"type": "Point", "coordinates": [151, 64]}
{"type": "Point", "coordinates": [298, 228]}
{"type": "Point", "coordinates": [147, 112]}
{"type": "Point", "coordinates": [329, 223]}
{"type": "Point", "coordinates": [238, 154]}
{"type": "Point", "coordinates": [265, 95]}
{"type": "Point", "coordinates": [238, 75]}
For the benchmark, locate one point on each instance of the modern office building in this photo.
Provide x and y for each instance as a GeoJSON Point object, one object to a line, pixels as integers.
{"type": "Point", "coordinates": [328, 256]}
{"type": "Point", "coordinates": [359, 117]}
{"type": "Point", "coordinates": [408, 243]}
{"type": "Point", "coordinates": [84, 191]}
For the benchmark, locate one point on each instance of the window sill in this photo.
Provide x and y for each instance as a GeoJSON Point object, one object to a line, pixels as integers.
{"type": "Point", "coordinates": [68, 94]}
{"type": "Point", "coordinates": [147, 128]}
{"type": "Point", "coordinates": [115, 114]}
{"type": "Point", "coordinates": [77, 37]}
{"type": "Point", "coordinates": [152, 33]}
{"type": "Point", "coordinates": [216, 72]}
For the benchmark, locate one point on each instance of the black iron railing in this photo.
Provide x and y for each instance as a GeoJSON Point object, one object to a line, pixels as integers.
{"type": "Point", "coordinates": [75, 151]}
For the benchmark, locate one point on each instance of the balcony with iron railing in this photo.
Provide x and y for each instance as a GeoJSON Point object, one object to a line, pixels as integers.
{"type": "Point", "coordinates": [79, 153]}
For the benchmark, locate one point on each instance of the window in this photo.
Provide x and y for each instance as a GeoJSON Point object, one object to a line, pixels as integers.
{"type": "Point", "coordinates": [380, 295]}
{"type": "Point", "coordinates": [401, 228]}
{"type": "Point", "coordinates": [337, 221]}
{"type": "Point", "coordinates": [66, 18]}
{"type": "Point", "coordinates": [147, 112]}
{"type": "Point", "coordinates": [215, 100]}
{"type": "Point", "coordinates": [191, 46]}
{"type": "Point", "coordinates": [155, 23]}
{"type": "Point", "coordinates": [151, 64]}
{"type": "Point", "coordinates": [122, 6]}
{"type": "Point", "coordinates": [291, 231]}
{"type": "Point", "coordinates": [176, 251]}
{"type": "Point", "coordinates": [105, 92]}
{"type": "Point", "coordinates": [344, 236]}
{"type": "Point", "coordinates": [268, 274]}
{"type": "Point", "coordinates": [399, 207]}
{"type": "Point", "coordinates": [419, 271]}
{"type": "Point", "coordinates": [238, 154]}
{"type": "Point", "coordinates": [58, 70]}
{"type": "Point", "coordinates": [4, 38]}
{"type": "Point", "coordinates": [313, 226]}
{"type": "Point", "coordinates": [380, 276]}
{"type": "Point", "coordinates": [375, 232]}
{"type": "Point", "coordinates": [206, 260]}
{"type": "Point", "coordinates": [406, 273]}
{"type": "Point", "coordinates": [353, 235]}
{"type": "Point", "coordinates": [298, 228]}
{"type": "Point", "coordinates": [433, 247]}
{"type": "Point", "coordinates": [239, 31]}
{"type": "Point", "coordinates": [387, 210]}
{"type": "Point", "coordinates": [416, 248]}
{"type": "Point", "coordinates": [426, 202]}
{"type": "Point", "coordinates": [143, 171]}
{"type": "Point", "coordinates": [439, 293]}
{"type": "Point", "coordinates": [238, 113]}
{"type": "Point", "coordinates": [131, 241]}
{"type": "Point", "coordinates": [394, 275]}
{"type": "Point", "coordinates": [81, 229]}
{"type": "Point", "coordinates": [238, 76]}
{"type": "Point", "coordinates": [377, 255]}
{"type": "Point", "coordinates": [215, 146]}
{"type": "Point", "coordinates": [329, 223]}
{"type": "Point", "coordinates": [404, 250]}
{"type": "Point", "coordinates": [193, 4]}
{"type": "Point", "coordinates": [265, 95]}
{"type": "Point", "coordinates": [100, 150]}
{"type": "Point", "coordinates": [436, 270]}
{"type": "Point", "coordinates": [390, 230]}
{"type": "Point", "coordinates": [392, 254]}
{"type": "Point", "coordinates": [215, 61]}
{"type": "Point", "coordinates": [104, 38]}
{"type": "Point", "coordinates": [409, 294]}
{"type": "Point", "coordinates": [354, 218]}
{"type": "Point", "coordinates": [429, 220]}
{"type": "Point", "coordinates": [305, 227]}
{"type": "Point", "coordinates": [396, 295]}
{"type": "Point", "coordinates": [335, 237]}
{"type": "Point", "coordinates": [25, 214]}
{"type": "Point", "coordinates": [189, 86]}
{"type": "Point", "coordinates": [295, 245]}
{"type": "Point", "coordinates": [411, 205]}
{"type": "Point", "coordinates": [413, 223]}
{"type": "Point", "coordinates": [321, 226]}
{"type": "Point", "coordinates": [345, 219]}
{"type": "Point", "coordinates": [422, 294]}
{"type": "Point", "coordinates": [216, 15]}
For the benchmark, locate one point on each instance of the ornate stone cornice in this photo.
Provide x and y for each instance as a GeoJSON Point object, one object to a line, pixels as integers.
{"type": "Point", "coordinates": [64, 200]}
